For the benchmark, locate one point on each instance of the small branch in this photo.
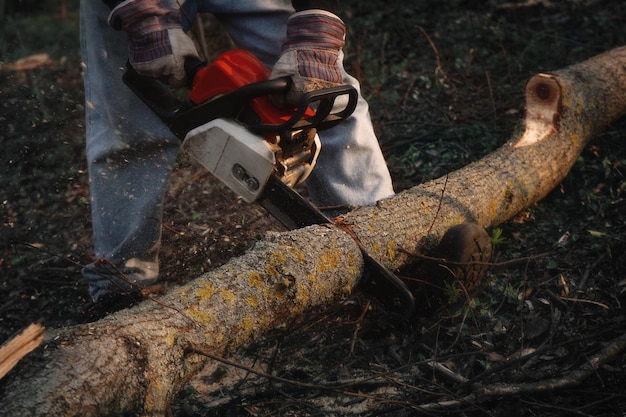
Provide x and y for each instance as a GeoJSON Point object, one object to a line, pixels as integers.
{"type": "Point", "coordinates": [194, 348]}
{"type": "Point", "coordinates": [447, 372]}
{"type": "Point", "coordinates": [578, 300]}
{"type": "Point", "coordinates": [491, 264]}
{"type": "Point", "coordinates": [439, 68]}
{"type": "Point", "coordinates": [359, 324]}
{"type": "Point", "coordinates": [576, 377]}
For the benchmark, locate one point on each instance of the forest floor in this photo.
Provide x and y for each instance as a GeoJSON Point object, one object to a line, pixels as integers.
{"type": "Point", "coordinates": [445, 84]}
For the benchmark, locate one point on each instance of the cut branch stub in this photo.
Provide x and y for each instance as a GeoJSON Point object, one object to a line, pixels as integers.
{"type": "Point", "coordinates": [543, 104]}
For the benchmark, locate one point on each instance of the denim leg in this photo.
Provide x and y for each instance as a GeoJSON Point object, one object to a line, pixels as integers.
{"type": "Point", "coordinates": [130, 154]}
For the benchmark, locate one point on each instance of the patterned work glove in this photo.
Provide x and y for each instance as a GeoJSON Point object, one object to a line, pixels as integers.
{"type": "Point", "coordinates": [310, 55]}
{"type": "Point", "coordinates": [157, 45]}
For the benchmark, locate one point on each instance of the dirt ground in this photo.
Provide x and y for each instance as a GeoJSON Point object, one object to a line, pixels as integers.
{"type": "Point", "coordinates": [445, 84]}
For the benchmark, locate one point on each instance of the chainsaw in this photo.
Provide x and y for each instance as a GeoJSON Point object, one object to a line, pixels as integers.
{"type": "Point", "coordinates": [229, 125]}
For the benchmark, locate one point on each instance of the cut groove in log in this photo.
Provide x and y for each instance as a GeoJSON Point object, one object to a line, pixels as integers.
{"type": "Point", "coordinates": [136, 360]}
{"type": "Point", "coordinates": [543, 102]}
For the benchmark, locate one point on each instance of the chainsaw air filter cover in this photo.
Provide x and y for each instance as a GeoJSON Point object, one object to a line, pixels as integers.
{"type": "Point", "coordinates": [238, 158]}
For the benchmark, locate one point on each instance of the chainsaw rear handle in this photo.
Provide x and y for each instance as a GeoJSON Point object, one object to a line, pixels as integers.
{"type": "Point", "coordinates": [182, 115]}
{"type": "Point", "coordinates": [155, 93]}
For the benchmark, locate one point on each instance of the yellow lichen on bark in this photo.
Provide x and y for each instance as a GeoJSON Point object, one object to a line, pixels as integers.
{"type": "Point", "coordinates": [328, 261]}
{"type": "Point", "coordinates": [201, 317]}
{"type": "Point", "coordinates": [252, 301]}
{"type": "Point", "coordinates": [299, 254]}
{"type": "Point", "coordinates": [206, 291]}
{"type": "Point", "coordinates": [255, 280]}
{"type": "Point", "coordinates": [228, 296]}
{"type": "Point", "coordinates": [392, 248]}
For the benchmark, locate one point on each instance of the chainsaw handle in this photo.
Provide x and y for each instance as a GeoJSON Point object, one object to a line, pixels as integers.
{"type": "Point", "coordinates": [156, 93]}
{"type": "Point", "coordinates": [323, 101]}
{"type": "Point", "coordinates": [182, 116]}
{"type": "Point", "coordinates": [192, 66]}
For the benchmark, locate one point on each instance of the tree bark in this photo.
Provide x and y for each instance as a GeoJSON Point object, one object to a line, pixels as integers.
{"type": "Point", "coordinates": [137, 360]}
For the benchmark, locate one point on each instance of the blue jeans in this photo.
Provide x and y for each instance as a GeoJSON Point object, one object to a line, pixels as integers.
{"type": "Point", "coordinates": [130, 152]}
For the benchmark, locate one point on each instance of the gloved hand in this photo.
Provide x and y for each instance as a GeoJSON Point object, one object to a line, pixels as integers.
{"type": "Point", "coordinates": [157, 44]}
{"type": "Point", "coordinates": [310, 55]}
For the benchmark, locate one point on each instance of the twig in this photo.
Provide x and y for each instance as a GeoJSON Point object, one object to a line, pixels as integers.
{"type": "Point", "coordinates": [481, 393]}
{"type": "Point", "coordinates": [592, 267]}
{"type": "Point", "coordinates": [333, 386]}
{"type": "Point", "coordinates": [493, 101]}
{"type": "Point", "coordinates": [569, 411]}
{"type": "Point", "coordinates": [447, 372]}
{"type": "Point", "coordinates": [492, 264]}
{"type": "Point", "coordinates": [439, 68]}
{"type": "Point", "coordinates": [443, 191]}
{"type": "Point", "coordinates": [435, 217]}
{"type": "Point", "coordinates": [338, 387]}
{"type": "Point", "coordinates": [408, 91]}
{"type": "Point", "coordinates": [578, 300]}
{"type": "Point", "coordinates": [141, 292]}
{"type": "Point", "coordinates": [359, 324]}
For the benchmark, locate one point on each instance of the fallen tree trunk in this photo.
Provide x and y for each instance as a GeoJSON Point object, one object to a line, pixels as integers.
{"type": "Point", "coordinates": [564, 111]}
{"type": "Point", "coordinates": [137, 360]}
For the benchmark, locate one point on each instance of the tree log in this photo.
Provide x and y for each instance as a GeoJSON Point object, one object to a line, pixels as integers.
{"type": "Point", "coordinates": [136, 361]}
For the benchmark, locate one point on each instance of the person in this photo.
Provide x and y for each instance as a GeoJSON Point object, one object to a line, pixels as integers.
{"type": "Point", "coordinates": [131, 153]}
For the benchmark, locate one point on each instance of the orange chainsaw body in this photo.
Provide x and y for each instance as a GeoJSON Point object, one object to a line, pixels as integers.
{"type": "Point", "coordinates": [232, 70]}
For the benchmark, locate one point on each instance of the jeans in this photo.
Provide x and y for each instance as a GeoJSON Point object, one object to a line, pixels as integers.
{"type": "Point", "coordinates": [130, 152]}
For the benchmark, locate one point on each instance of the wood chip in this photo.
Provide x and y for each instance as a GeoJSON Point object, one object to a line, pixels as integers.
{"type": "Point", "coordinates": [29, 63]}
{"type": "Point", "coordinates": [19, 346]}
